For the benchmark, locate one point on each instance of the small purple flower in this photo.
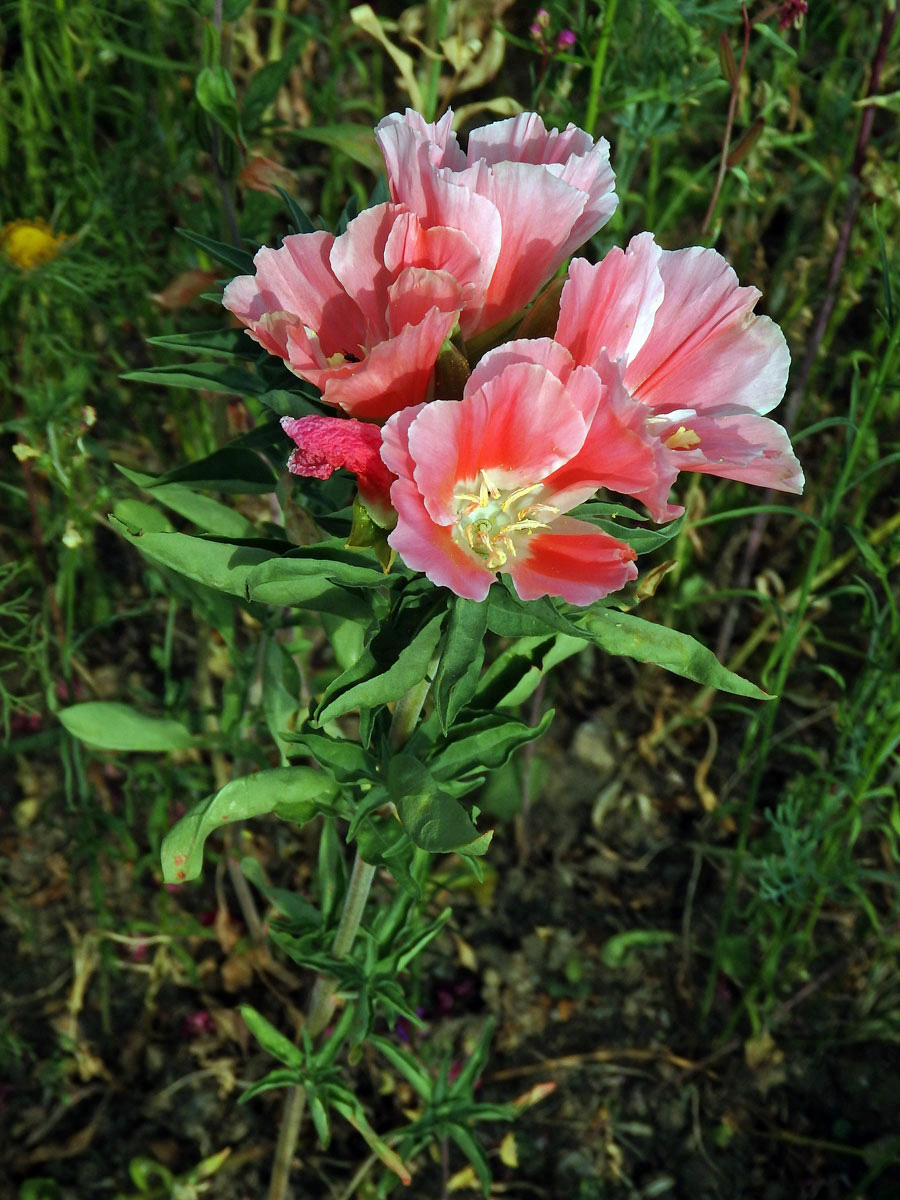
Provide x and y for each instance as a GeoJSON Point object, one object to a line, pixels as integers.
{"type": "Point", "coordinates": [792, 13]}
{"type": "Point", "coordinates": [566, 39]}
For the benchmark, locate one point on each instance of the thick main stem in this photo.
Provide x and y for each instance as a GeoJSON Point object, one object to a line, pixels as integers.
{"type": "Point", "coordinates": [322, 1000]}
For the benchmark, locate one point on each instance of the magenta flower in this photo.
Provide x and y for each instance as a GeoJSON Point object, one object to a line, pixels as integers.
{"type": "Point", "coordinates": [689, 347]}
{"type": "Point", "coordinates": [525, 196]}
{"type": "Point", "coordinates": [326, 443]}
{"type": "Point", "coordinates": [484, 483]}
{"type": "Point", "coordinates": [362, 316]}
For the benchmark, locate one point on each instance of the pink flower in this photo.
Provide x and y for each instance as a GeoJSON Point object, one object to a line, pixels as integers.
{"type": "Point", "coordinates": [484, 483]}
{"type": "Point", "coordinates": [525, 196]}
{"type": "Point", "coordinates": [689, 347]}
{"type": "Point", "coordinates": [362, 316]}
{"type": "Point", "coordinates": [326, 443]}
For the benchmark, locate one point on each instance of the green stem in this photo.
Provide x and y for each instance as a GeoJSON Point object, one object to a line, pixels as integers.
{"type": "Point", "coordinates": [322, 1001]}
{"type": "Point", "coordinates": [593, 104]}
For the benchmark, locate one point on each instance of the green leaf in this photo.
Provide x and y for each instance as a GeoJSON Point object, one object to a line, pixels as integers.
{"type": "Point", "coordinates": [301, 222]}
{"type": "Point", "coordinates": [278, 581]}
{"type": "Point", "coordinates": [232, 256]}
{"type": "Point", "coordinates": [138, 515]}
{"type": "Point", "coordinates": [516, 673]}
{"type": "Point", "coordinates": [233, 342]}
{"type": "Point", "coordinates": [266, 83]}
{"type": "Point", "coordinates": [509, 616]}
{"type": "Point", "coordinates": [473, 1153]}
{"type": "Point", "coordinates": [370, 683]}
{"type": "Point", "coordinates": [216, 94]}
{"type": "Point", "coordinates": [205, 376]}
{"type": "Point", "coordinates": [117, 727]}
{"type": "Point", "coordinates": [622, 633]}
{"type": "Point", "coordinates": [232, 469]}
{"type": "Point", "coordinates": [642, 540]}
{"type": "Point", "coordinates": [356, 141]}
{"type": "Point", "coordinates": [292, 793]}
{"type": "Point", "coordinates": [222, 565]}
{"type": "Point", "coordinates": [282, 1077]}
{"type": "Point", "coordinates": [461, 659]}
{"type": "Point", "coordinates": [404, 1062]}
{"type": "Point", "coordinates": [271, 1040]}
{"type": "Point", "coordinates": [617, 950]}
{"type": "Point", "coordinates": [435, 821]}
{"type": "Point", "coordinates": [484, 744]}
{"type": "Point", "coordinates": [347, 761]}
{"type": "Point", "coordinates": [281, 693]}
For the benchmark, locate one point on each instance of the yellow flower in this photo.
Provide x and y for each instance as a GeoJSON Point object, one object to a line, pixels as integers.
{"type": "Point", "coordinates": [30, 243]}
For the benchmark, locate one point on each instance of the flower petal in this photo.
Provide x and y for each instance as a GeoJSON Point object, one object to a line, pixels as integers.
{"type": "Point", "coordinates": [611, 306]}
{"type": "Point", "coordinates": [425, 546]}
{"type": "Point", "coordinates": [518, 427]}
{"type": "Point", "coordinates": [326, 443]}
{"type": "Point", "coordinates": [618, 452]}
{"type": "Point", "coordinates": [706, 348]}
{"type": "Point", "coordinates": [572, 560]}
{"type": "Point", "coordinates": [742, 446]}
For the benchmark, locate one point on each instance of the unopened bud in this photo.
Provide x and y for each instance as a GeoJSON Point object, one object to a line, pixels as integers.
{"type": "Point", "coordinates": [566, 39]}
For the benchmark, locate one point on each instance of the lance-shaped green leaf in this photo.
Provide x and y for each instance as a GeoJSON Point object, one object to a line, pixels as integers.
{"type": "Point", "coordinates": [461, 659]}
{"type": "Point", "coordinates": [371, 681]}
{"type": "Point", "coordinates": [240, 260]}
{"type": "Point", "coordinates": [347, 761]}
{"type": "Point", "coordinates": [207, 514]}
{"type": "Point", "coordinates": [516, 673]}
{"type": "Point", "coordinates": [222, 565]}
{"type": "Point", "coordinates": [232, 469]}
{"type": "Point", "coordinates": [622, 633]}
{"type": "Point", "coordinates": [277, 582]}
{"type": "Point", "coordinates": [111, 726]}
{"type": "Point", "coordinates": [292, 793]}
{"type": "Point", "coordinates": [233, 343]}
{"type": "Point", "coordinates": [483, 744]}
{"type": "Point", "coordinates": [509, 616]}
{"type": "Point", "coordinates": [435, 821]}
{"type": "Point", "coordinates": [207, 376]}
{"type": "Point", "coordinates": [271, 1040]}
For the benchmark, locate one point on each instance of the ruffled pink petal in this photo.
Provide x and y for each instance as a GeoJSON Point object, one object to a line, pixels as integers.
{"type": "Point", "coordinates": [416, 292]}
{"type": "Point", "coordinates": [611, 306]}
{"type": "Point", "coordinates": [443, 148]}
{"type": "Point", "coordinates": [706, 348]}
{"type": "Point", "coordinates": [394, 375]}
{"type": "Point", "coordinates": [357, 259]}
{"type": "Point", "coordinates": [537, 212]}
{"type": "Point", "coordinates": [395, 442]}
{"type": "Point", "coordinates": [618, 453]}
{"type": "Point", "coordinates": [297, 279]}
{"type": "Point", "coordinates": [519, 427]}
{"type": "Point", "coordinates": [440, 249]}
{"type": "Point", "coordinates": [571, 155]}
{"type": "Point", "coordinates": [572, 560]}
{"type": "Point", "coordinates": [741, 446]}
{"type": "Point", "coordinates": [544, 352]}
{"type": "Point", "coordinates": [326, 443]}
{"type": "Point", "coordinates": [430, 548]}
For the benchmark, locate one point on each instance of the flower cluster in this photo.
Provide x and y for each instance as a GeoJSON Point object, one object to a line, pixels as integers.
{"type": "Point", "coordinates": [656, 364]}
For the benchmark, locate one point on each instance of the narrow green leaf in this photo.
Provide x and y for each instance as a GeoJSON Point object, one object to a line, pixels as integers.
{"type": "Point", "coordinates": [276, 581]}
{"type": "Point", "coordinates": [403, 1062]}
{"type": "Point", "coordinates": [347, 761]}
{"type": "Point", "coordinates": [483, 744]}
{"type": "Point", "coordinates": [271, 1040]}
{"type": "Point", "coordinates": [113, 726]}
{"type": "Point", "coordinates": [232, 256]}
{"type": "Point", "coordinates": [622, 633]}
{"type": "Point", "coordinates": [266, 83]}
{"type": "Point", "coordinates": [222, 565]}
{"type": "Point", "coordinates": [461, 659]}
{"type": "Point", "coordinates": [616, 950]}
{"type": "Point", "coordinates": [293, 793]}
{"type": "Point", "coordinates": [204, 376]}
{"type": "Point", "coordinates": [233, 342]}
{"type": "Point", "coordinates": [231, 469]}
{"type": "Point", "coordinates": [473, 1153]}
{"type": "Point", "coordinates": [368, 684]}
{"type": "Point", "coordinates": [301, 222]}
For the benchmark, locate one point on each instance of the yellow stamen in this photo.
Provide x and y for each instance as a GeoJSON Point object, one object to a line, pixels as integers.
{"type": "Point", "coordinates": [683, 439]}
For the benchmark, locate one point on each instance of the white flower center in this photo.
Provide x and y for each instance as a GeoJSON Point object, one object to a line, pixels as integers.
{"type": "Point", "coordinates": [490, 521]}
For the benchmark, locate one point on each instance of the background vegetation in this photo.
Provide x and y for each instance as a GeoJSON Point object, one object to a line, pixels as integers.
{"type": "Point", "coordinates": [689, 921]}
